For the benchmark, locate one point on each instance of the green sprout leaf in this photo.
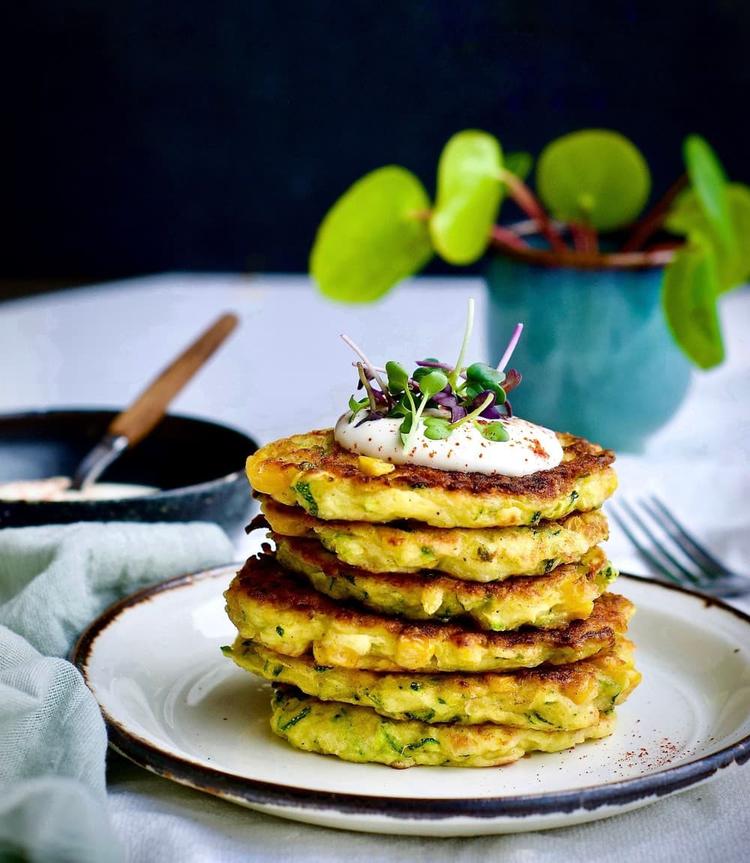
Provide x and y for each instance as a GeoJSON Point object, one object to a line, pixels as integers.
{"type": "Point", "coordinates": [708, 179]}
{"type": "Point", "coordinates": [356, 406]}
{"type": "Point", "coordinates": [374, 236]}
{"type": "Point", "coordinates": [432, 383]}
{"type": "Point", "coordinates": [519, 164]}
{"type": "Point", "coordinates": [688, 217]}
{"type": "Point", "coordinates": [482, 377]}
{"type": "Point", "coordinates": [690, 289]}
{"type": "Point", "coordinates": [398, 378]}
{"type": "Point", "coordinates": [405, 428]}
{"type": "Point", "coordinates": [495, 432]}
{"type": "Point", "coordinates": [484, 374]}
{"type": "Point", "coordinates": [436, 428]}
{"type": "Point", "coordinates": [429, 384]}
{"type": "Point", "coordinates": [469, 192]}
{"type": "Point", "coordinates": [595, 177]}
{"type": "Point", "coordinates": [420, 372]}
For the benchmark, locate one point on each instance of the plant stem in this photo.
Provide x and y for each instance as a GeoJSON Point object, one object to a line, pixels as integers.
{"type": "Point", "coordinates": [475, 413]}
{"type": "Point", "coordinates": [507, 237]}
{"type": "Point", "coordinates": [453, 376]}
{"type": "Point", "coordinates": [529, 227]}
{"type": "Point", "coordinates": [416, 413]}
{"type": "Point", "coordinates": [360, 353]}
{"type": "Point", "coordinates": [653, 220]}
{"type": "Point", "coordinates": [593, 261]}
{"type": "Point", "coordinates": [366, 385]}
{"type": "Point", "coordinates": [528, 202]}
{"type": "Point", "coordinates": [505, 359]}
{"type": "Point", "coordinates": [584, 237]}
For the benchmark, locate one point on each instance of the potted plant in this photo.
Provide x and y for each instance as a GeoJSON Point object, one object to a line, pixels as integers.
{"type": "Point", "coordinates": [617, 304]}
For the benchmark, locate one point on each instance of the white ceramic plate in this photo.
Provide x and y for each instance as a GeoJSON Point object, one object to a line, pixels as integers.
{"type": "Point", "coordinates": [175, 705]}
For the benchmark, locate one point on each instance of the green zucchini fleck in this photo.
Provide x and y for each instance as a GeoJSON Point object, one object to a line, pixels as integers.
{"type": "Point", "coordinates": [392, 743]}
{"type": "Point", "coordinates": [484, 554]}
{"type": "Point", "coordinates": [295, 719]}
{"type": "Point", "coordinates": [420, 743]}
{"type": "Point", "coordinates": [309, 502]}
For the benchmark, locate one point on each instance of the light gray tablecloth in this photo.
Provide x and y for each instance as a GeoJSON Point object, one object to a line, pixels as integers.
{"type": "Point", "coordinates": [125, 330]}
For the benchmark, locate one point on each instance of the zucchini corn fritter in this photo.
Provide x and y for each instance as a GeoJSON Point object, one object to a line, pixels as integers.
{"type": "Point", "coordinates": [312, 471]}
{"type": "Point", "coordinates": [563, 698]}
{"type": "Point", "coordinates": [415, 616]}
{"type": "Point", "coordinates": [276, 608]}
{"type": "Point", "coordinates": [547, 602]}
{"type": "Point", "coordinates": [479, 554]}
{"type": "Point", "coordinates": [359, 734]}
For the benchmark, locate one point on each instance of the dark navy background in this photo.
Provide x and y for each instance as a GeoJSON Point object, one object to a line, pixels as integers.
{"type": "Point", "coordinates": [154, 134]}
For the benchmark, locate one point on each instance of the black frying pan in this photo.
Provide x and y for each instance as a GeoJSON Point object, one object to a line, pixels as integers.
{"type": "Point", "coordinates": [199, 466]}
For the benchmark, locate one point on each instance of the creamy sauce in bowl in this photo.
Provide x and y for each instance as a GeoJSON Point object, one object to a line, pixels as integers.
{"type": "Point", "coordinates": [57, 488]}
{"type": "Point", "coordinates": [529, 448]}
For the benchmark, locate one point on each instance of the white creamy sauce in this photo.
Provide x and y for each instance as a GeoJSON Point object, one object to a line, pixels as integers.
{"type": "Point", "coordinates": [530, 447]}
{"type": "Point", "coordinates": [57, 488]}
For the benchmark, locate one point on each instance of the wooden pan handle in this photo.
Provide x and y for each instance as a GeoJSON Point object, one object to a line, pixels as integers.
{"type": "Point", "coordinates": [138, 420]}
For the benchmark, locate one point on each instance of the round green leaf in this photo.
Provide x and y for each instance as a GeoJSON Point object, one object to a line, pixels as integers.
{"type": "Point", "coordinates": [433, 382]}
{"type": "Point", "coordinates": [469, 192]}
{"type": "Point", "coordinates": [519, 163]}
{"type": "Point", "coordinates": [398, 378]}
{"type": "Point", "coordinates": [689, 293]}
{"type": "Point", "coordinates": [688, 217]}
{"type": "Point", "coordinates": [495, 432]}
{"type": "Point", "coordinates": [374, 236]}
{"type": "Point", "coordinates": [708, 179]}
{"type": "Point", "coordinates": [595, 177]}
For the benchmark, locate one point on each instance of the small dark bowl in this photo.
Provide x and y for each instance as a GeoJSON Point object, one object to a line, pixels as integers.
{"type": "Point", "coordinates": [198, 465]}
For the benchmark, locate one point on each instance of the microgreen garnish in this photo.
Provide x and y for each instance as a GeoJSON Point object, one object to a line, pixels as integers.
{"type": "Point", "coordinates": [437, 398]}
{"type": "Point", "coordinates": [495, 432]}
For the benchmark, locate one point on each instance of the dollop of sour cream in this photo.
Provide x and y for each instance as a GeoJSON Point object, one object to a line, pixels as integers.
{"type": "Point", "coordinates": [529, 448]}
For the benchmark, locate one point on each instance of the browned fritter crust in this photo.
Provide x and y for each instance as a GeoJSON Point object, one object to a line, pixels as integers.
{"type": "Point", "coordinates": [579, 459]}
{"type": "Point", "coordinates": [262, 581]}
{"type": "Point", "coordinates": [519, 587]}
{"type": "Point", "coordinates": [312, 471]}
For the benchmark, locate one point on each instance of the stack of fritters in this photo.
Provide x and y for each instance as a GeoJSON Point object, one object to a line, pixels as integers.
{"type": "Point", "coordinates": [416, 616]}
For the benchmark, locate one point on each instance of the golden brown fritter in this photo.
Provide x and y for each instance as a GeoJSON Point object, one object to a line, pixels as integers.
{"type": "Point", "coordinates": [567, 593]}
{"type": "Point", "coordinates": [360, 734]}
{"type": "Point", "coordinates": [551, 698]}
{"type": "Point", "coordinates": [314, 472]}
{"type": "Point", "coordinates": [274, 607]}
{"type": "Point", "coordinates": [478, 554]}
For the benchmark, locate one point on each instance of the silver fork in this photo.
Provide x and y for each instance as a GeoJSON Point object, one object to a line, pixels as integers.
{"type": "Point", "coordinates": [672, 551]}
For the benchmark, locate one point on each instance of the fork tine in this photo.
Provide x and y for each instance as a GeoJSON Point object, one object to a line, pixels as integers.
{"type": "Point", "coordinates": [641, 548]}
{"type": "Point", "coordinates": [697, 552]}
{"type": "Point", "coordinates": [658, 544]}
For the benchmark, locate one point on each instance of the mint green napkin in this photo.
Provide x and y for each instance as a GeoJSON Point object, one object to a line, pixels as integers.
{"type": "Point", "coordinates": [53, 581]}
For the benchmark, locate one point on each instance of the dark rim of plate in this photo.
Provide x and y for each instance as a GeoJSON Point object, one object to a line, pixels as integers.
{"type": "Point", "coordinates": [271, 794]}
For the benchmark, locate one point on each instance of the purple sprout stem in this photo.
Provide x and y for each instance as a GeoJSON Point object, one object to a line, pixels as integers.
{"type": "Point", "coordinates": [475, 413]}
{"type": "Point", "coordinates": [511, 347]}
{"type": "Point", "coordinates": [365, 361]}
{"type": "Point", "coordinates": [429, 364]}
{"type": "Point", "coordinates": [368, 388]}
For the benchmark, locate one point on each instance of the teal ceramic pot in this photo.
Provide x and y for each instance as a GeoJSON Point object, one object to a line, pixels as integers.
{"type": "Point", "coordinates": [596, 356]}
